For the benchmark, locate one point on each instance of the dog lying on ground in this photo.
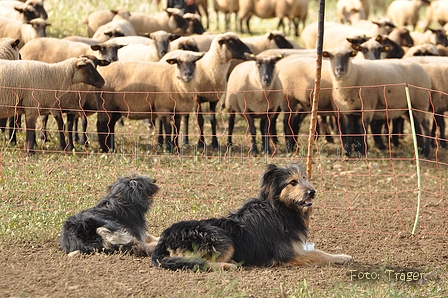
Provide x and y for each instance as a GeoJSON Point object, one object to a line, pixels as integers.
{"type": "Point", "coordinates": [116, 223]}
{"type": "Point", "coordinates": [265, 231]}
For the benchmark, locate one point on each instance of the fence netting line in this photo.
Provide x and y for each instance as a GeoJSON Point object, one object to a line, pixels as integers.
{"type": "Point", "coordinates": [361, 188]}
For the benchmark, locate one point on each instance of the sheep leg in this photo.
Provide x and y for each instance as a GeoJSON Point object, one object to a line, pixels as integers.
{"type": "Point", "coordinates": [70, 121]}
{"type": "Point", "coordinates": [264, 135]}
{"type": "Point", "coordinates": [230, 128]}
{"type": "Point", "coordinates": [106, 128]}
{"type": "Point", "coordinates": [273, 125]}
{"type": "Point", "coordinates": [397, 130]}
{"type": "Point", "coordinates": [253, 132]}
{"type": "Point", "coordinates": [200, 117]}
{"type": "Point", "coordinates": [213, 124]}
{"type": "Point", "coordinates": [30, 119]}
{"type": "Point", "coordinates": [84, 138]}
{"type": "Point", "coordinates": [422, 131]}
{"type": "Point", "coordinates": [186, 120]}
{"type": "Point", "coordinates": [376, 126]}
{"type": "Point", "coordinates": [439, 121]}
{"type": "Point", "coordinates": [168, 133]}
{"type": "Point", "coordinates": [60, 122]}
{"type": "Point", "coordinates": [43, 130]}
{"type": "Point", "coordinates": [177, 120]}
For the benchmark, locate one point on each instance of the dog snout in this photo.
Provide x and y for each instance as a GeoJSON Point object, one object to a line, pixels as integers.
{"type": "Point", "coordinates": [311, 193]}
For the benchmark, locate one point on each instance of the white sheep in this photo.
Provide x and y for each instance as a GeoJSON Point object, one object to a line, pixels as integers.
{"type": "Point", "coordinates": [9, 48]}
{"type": "Point", "coordinates": [376, 88]}
{"type": "Point", "coordinates": [159, 46]}
{"type": "Point", "coordinates": [151, 90]}
{"type": "Point", "coordinates": [120, 23]}
{"type": "Point", "coordinates": [436, 12]}
{"type": "Point", "coordinates": [53, 50]}
{"type": "Point", "coordinates": [254, 91]}
{"type": "Point", "coordinates": [227, 7]}
{"type": "Point", "coordinates": [23, 11]}
{"type": "Point", "coordinates": [100, 17]}
{"type": "Point", "coordinates": [437, 69]}
{"type": "Point", "coordinates": [22, 31]}
{"type": "Point", "coordinates": [298, 89]}
{"type": "Point", "coordinates": [28, 87]}
{"type": "Point", "coordinates": [212, 72]}
{"type": "Point", "coordinates": [168, 20]}
{"type": "Point", "coordinates": [405, 12]}
{"type": "Point", "coordinates": [350, 11]}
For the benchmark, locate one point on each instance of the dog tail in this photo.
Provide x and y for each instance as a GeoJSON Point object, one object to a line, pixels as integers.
{"type": "Point", "coordinates": [158, 259]}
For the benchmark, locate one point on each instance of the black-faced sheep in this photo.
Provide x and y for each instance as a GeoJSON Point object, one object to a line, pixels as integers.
{"type": "Point", "coordinates": [212, 77]}
{"type": "Point", "coordinates": [377, 91]}
{"type": "Point", "coordinates": [23, 11]}
{"type": "Point", "coordinates": [151, 90]}
{"type": "Point", "coordinates": [53, 50]}
{"type": "Point", "coordinates": [404, 13]}
{"type": "Point", "coordinates": [22, 31]}
{"type": "Point", "coordinates": [33, 88]}
{"type": "Point", "coordinates": [168, 20]}
{"type": "Point", "coordinates": [99, 18]}
{"type": "Point", "coordinates": [434, 36]}
{"type": "Point", "coordinates": [120, 23]}
{"type": "Point", "coordinates": [254, 91]}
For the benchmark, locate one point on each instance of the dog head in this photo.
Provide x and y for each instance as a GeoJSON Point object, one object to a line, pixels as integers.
{"type": "Point", "coordinates": [133, 189]}
{"type": "Point", "coordinates": [288, 185]}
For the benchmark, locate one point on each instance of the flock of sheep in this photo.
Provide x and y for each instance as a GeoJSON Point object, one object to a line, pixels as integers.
{"type": "Point", "coordinates": [162, 68]}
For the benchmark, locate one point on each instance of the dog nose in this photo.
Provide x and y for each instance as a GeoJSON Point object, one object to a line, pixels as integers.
{"type": "Point", "coordinates": [311, 193]}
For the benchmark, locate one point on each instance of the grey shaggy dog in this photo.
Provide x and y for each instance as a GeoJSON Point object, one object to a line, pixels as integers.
{"type": "Point", "coordinates": [116, 223]}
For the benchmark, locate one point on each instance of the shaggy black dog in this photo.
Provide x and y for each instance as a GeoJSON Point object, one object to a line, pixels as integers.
{"type": "Point", "coordinates": [265, 231]}
{"type": "Point", "coordinates": [116, 223]}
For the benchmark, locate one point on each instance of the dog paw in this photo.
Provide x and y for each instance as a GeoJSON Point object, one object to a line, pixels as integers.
{"type": "Point", "coordinates": [74, 253]}
{"type": "Point", "coordinates": [342, 259]}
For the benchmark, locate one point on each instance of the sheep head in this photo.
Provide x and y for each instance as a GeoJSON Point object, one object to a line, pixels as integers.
{"type": "Point", "coordinates": [236, 49]}
{"type": "Point", "coordinates": [339, 59]}
{"type": "Point", "coordinates": [86, 66]}
{"type": "Point", "coordinates": [265, 67]}
{"type": "Point", "coordinates": [186, 65]}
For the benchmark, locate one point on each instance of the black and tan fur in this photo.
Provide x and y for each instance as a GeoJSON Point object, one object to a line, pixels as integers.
{"type": "Point", "coordinates": [265, 231]}
{"type": "Point", "coordinates": [116, 223]}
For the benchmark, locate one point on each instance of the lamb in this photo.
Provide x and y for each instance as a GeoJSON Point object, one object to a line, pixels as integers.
{"type": "Point", "coordinates": [22, 31]}
{"type": "Point", "coordinates": [404, 13]}
{"type": "Point", "coordinates": [261, 100]}
{"type": "Point", "coordinates": [159, 46]}
{"type": "Point", "coordinates": [212, 78]}
{"type": "Point", "coordinates": [151, 90]}
{"type": "Point", "coordinates": [436, 12]}
{"type": "Point", "coordinates": [23, 11]}
{"type": "Point", "coordinates": [53, 50]}
{"type": "Point", "coordinates": [20, 78]}
{"type": "Point", "coordinates": [119, 23]}
{"type": "Point", "coordinates": [377, 77]}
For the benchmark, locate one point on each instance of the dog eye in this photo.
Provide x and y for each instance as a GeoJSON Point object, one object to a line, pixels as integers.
{"type": "Point", "coordinates": [293, 183]}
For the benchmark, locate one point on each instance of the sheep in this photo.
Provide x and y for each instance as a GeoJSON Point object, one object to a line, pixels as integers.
{"type": "Point", "coordinates": [23, 11]}
{"type": "Point", "coordinates": [434, 36]}
{"type": "Point", "coordinates": [375, 79]}
{"type": "Point", "coordinates": [22, 31]}
{"type": "Point", "coordinates": [212, 78]}
{"type": "Point", "coordinates": [9, 50]}
{"type": "Point", "coordinates": [119, 23]}
{"type": "Point", "coordinates": [100, 17]}
{"type": "Point", "coordinates": [254, 91]}
{"type": "Point", "coordinates": [372, 49]}
{"type": "Point", "coordinates": [404, 13]}
{"type": "Point", "coordinates": [194, 25]}
{"type": "Point", "coordinates": [184, 43]}
{"type": "Point", "coordinates": [264, 9]}
{"type": "Point", "coordinates": [53, 50]}
{"type": "Point", "coordinates": [269, 40]}
{"type": "Point", "coordinates": [26, 87]}
{"type": "Point", "coordinates": [296, 11]}
{"type": "Point", "coordinates": [425, 49]}
{"type": "Point", "coordinates": [350, 11]}
{"type": "Point", "coordinates": [151, 90]}
{"type": "Point", "coordinates": [169, 20]}
{"type": "Point", "coordinates": [436, 67]}
{"type": "Point", "coordinates": [202, 42]}
{"type": "Point", "coordinates": [227, 7]}
{"type": "Point", "coordinates": [436, 12]}
{"type": "Point", "coordinates": [298, 89]}
{"type": "Point", "coordinates": [159, 46]}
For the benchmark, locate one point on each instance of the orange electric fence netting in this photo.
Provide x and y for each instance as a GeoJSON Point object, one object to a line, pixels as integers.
{"type": "Point", "coordinates": [359, 190]}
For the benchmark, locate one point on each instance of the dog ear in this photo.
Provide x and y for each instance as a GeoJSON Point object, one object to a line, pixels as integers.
{"type": "Point", "coordinates": [268, 187]}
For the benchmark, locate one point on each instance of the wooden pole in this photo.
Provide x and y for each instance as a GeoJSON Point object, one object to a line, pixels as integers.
{"type": "Point", "coordinates": [314, 108]}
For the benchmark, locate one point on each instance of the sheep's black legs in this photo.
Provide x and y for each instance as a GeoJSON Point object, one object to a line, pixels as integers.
{"type": "Point", "coordinates": [265, 130]}
{"type": "Point", "coordinates": [230, 128]}
{"type": "Point", "coordinates": [253, 133]}
{"type": "Point", "coordinates": [213, 123]}
{"type": "Point", "coordinates": [439, 121]}
{"type": "Point", "coordinates": [106, 130]}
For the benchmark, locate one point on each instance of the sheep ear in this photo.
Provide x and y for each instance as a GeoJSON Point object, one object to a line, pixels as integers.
{"type": "Point", "coordinates": [278, 57]}
{"type": "Point", "coordinates": [353, 53]}
{"type": "Point", "coordinates": [174, 36]}
{"type": "Point", "coordinates": [172, 61]}
{"type": "Point", "coordinates": [326, 54]}
{"type": "Point", "coordinates": [19, 9]}
{"type": "Point", "coordinates": [15, 43]}
{"type": "Point", "coordinates": [387, 48]}
{"type": "Point", "coordinates": [95, 47]}
{"type": "Point", "coordinates": [356, 47]}
{"type": "Point", "coordinates": [379, 38]}
{"type": "Point", "coordinates": [103, 62]}
{"type": "Point", "coordinates": [250, 56]}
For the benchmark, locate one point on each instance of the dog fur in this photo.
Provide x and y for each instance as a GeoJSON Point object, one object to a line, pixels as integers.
{"type": "Point", "coordinates": [116, 223]}
{"type": "Point", "coordinates": [265, 231]}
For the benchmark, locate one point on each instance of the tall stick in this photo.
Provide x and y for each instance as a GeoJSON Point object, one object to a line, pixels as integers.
{"type": "Point", "coordinates": [313, 121]}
